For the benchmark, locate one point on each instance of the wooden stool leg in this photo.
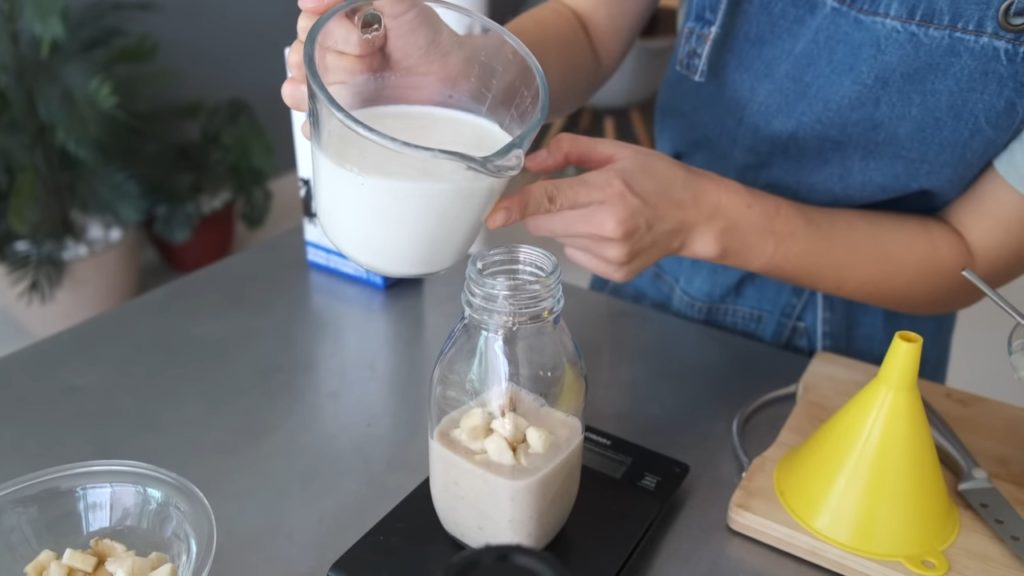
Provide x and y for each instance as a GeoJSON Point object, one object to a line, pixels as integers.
{"type": "Point", "coordinates": [609, 126]}
{"type": "Point", "coordinates": [556, 127]}
{"type": "Point", "coordinates": [643, 137]}
{"type": "Point", "coordinates": [586, 117]}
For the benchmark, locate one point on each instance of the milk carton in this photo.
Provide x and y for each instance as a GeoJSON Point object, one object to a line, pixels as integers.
{"type": "Point", "coordinates": [320, 252]}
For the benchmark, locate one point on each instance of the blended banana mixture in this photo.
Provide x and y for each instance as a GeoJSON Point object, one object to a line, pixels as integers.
{"type": "Point", "coordinates": [506, 472]}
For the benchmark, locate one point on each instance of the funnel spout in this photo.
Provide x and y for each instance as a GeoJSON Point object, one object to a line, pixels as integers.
{"type": "Point", "coordinates": [902, 362]}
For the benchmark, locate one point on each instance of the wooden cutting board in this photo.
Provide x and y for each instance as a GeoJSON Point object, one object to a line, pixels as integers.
{"type": "Point", "coordinates": [993, 431]}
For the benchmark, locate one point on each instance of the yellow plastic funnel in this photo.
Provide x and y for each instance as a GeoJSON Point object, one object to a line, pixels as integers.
{"type": "Point", "coordinates": [869, 480]}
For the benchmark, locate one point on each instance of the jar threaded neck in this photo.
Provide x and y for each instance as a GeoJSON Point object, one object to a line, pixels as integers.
{"type": "Point", "coordinates": [513, 285]}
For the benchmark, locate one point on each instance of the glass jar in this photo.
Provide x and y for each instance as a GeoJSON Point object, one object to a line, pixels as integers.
{"type": "Point", "coordinates": [506, 406]}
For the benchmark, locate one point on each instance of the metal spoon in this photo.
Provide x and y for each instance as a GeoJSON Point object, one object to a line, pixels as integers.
{"type": "Point", "coordinates": [994, 295]}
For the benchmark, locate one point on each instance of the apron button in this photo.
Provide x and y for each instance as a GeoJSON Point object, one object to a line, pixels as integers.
{"type": "Point", "coordinates": [1005, 21]}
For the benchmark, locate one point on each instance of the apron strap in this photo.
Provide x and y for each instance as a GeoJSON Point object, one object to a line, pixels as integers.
{"type": "Point", "coordinates": [703, 22]}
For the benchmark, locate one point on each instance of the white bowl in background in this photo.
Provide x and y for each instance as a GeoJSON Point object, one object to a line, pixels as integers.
{"type": "Point", "coordinates": [638, 77]}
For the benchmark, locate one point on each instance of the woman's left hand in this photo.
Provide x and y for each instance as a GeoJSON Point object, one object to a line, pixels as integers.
{"type": "Point", "coordinates": [631, 208]}
{"type": "Point", "coordinates": [635, 206]}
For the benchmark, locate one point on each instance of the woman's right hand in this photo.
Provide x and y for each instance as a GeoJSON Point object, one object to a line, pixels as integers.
{"type": "Point", "coordinates": [414, 38]}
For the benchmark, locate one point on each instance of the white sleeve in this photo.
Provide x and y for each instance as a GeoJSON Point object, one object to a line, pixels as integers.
{"type": "Point", "coordinates": [1010, 164]}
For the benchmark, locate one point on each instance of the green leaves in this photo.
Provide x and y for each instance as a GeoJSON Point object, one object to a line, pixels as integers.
{"type": "Point", "coordinates": [63, 66]}
{"type": "Point", "coordinates": [176, 222]}
{"type": "Point", "coordinates": [80, 137]}
{"type": "Point", "coordinates": [241, 145]}
{"type": "Point", "coordinates": [45, 20]}
{"type": "Point", "coordinates": [134, 50]}
{"type": "Point", "coordinates": [255, 205]}
{"type": "Point", "coordinates": [22, 211]}
{"type": "Point", "coordinates": [103, 93]}
{"type": "Point", "coordinates": [115, 194]}
{"type": "Point", "coordinates": [219, 147]}
{"type": "Point", "coordinates": [38, 270]}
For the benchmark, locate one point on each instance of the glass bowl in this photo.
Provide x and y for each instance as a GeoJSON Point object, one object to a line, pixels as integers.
{"type": "Point", "coordinates": [146, 508]}
{"type": "Point", "coordinates": [1015, 346]}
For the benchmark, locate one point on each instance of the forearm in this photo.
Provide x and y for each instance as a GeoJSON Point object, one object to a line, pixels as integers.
{"type": "Point", "coordinates": [908, 263]}
{"type": "Point", "coordinates": [579, 44]}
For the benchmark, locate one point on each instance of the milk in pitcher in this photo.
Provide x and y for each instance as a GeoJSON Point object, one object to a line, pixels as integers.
{"type": "Point", "coordinates": [399, 214]}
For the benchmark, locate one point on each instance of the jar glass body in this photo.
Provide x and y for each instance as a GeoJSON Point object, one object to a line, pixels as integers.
{"type": "Point", "coordinates": [506, 406]}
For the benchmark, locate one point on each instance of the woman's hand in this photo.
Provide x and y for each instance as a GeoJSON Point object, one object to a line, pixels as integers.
{"type": "Point", "coordinates": [414, 39]}
{"type": "Point", "coordinates": [633, 207]}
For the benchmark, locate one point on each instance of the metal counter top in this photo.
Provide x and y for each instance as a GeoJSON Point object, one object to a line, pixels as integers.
{"type": "Point", "coordinates": [296, 401]}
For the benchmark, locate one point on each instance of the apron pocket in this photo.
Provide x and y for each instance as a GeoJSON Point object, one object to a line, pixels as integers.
{"type": "Point", "coordinates": [977, 20]}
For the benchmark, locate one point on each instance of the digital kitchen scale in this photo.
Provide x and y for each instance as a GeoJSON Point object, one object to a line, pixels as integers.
{"type": "Point", "coordinates": [623, 489]}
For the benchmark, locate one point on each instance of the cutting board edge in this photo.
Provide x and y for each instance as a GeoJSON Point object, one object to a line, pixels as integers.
{"type": "Point", "coordinates": [742, 521]}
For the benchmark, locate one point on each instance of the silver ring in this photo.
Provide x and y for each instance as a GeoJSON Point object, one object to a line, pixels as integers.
{"type": "Point", "coordinates": [370, 23]}
{"type": "Point", "coordinates": [1004, 18]}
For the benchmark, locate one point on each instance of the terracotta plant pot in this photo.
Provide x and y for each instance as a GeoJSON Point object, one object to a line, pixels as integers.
{"type": "Point", "coordinates": [91, 285]}
{"type": "Point", "coordinates": [210, 242]}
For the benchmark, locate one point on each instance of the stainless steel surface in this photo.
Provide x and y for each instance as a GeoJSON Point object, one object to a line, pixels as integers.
{"type": "Point", "coordinates": [952, 450]}
{"type": "Point", "coordinates": [997, 512]}
{"type": "Point", "coordinates": [976, 486]}
{"type": "Point", "coordinates": [994, 295]}
{"type": "Point", "coordinates": [296, 401]}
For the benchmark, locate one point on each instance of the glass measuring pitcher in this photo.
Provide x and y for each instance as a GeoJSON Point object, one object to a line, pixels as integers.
{"type": "Point", "coordinates": [420, 113]}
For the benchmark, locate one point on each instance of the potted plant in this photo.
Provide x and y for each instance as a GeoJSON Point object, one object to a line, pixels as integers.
{"type": "Point", "coordinates": [206, 162]}
{"type": "Point", "coordinates": [69, 200]}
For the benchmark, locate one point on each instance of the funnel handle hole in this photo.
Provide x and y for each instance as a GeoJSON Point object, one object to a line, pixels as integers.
{"type": "Point", "coordinates": [933, 564]}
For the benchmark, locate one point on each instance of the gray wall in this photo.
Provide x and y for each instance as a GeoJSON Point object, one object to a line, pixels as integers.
{"type": "Point", "coordinates": [221, 48]}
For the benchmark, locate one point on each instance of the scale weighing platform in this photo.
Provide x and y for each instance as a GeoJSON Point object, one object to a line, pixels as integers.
{"type": "Point", "coordinates": [623, 490]}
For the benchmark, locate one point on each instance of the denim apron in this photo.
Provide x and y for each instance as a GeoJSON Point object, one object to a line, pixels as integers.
{"type": "Point", "coordinates": [878, 104]}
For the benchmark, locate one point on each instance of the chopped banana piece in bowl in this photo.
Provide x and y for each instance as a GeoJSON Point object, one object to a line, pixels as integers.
{"type": "Point", "coordinates": [105, 557]}
{"type": "Point", "coordinates": [105, 518]}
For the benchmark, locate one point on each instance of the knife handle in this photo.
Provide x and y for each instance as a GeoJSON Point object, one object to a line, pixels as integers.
{"type": "Point", "coordinates": [952, 450]}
